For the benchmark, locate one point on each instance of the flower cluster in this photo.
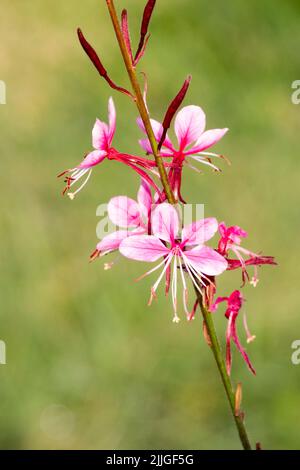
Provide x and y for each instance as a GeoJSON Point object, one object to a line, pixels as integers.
{"type": "Point", "coordinates": [150, 229]}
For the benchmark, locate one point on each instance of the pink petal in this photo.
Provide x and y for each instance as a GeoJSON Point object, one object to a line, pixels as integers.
{"type": "Point", "coordinates": [145, 198]}
{"type": "Point", "coordinates": [143, 248]}
{"type": "Point", "coordinates": [222, 229]}
{"type": "Point", "coordinates": [124, 212]}
{"type": "Point", "coordinates": [164, 152]}
{"type": "Point", "coordinates": [100, 135]}
{"type": "Point", "coordinates": [165, 222]}
{"type": "Point", "coordinates": [145, 144]}
{"type": "Point", "coordinates": [189, 125]}
{"type": "Point", "coordinates": [157, 129]}
{"type": "Point", "coordinates": [200, 231]}
{"type": "Point", "coordinates": [111, 120]}
{"type": "Point", "coordinates": [112, 241]}
{"type": "Point", "coordinates": [206, 260]}
{"type": "Point", "coordinates": [236, 233]}
{"type": "Point", "coordinates": [207, 139]}
{"type": "Point", "coordinates": [92, 159]}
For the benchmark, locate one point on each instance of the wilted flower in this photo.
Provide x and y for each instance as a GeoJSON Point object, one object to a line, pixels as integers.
{"type": "Point", "coordinates": [234, 305]}
{"type": "Point", "coordinates": [231, 238]}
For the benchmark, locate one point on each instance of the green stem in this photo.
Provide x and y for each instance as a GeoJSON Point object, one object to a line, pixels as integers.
{"type": "Point", "coordinates": [140, 102]}
{"type": "Point", "coordinates": [216, 349]}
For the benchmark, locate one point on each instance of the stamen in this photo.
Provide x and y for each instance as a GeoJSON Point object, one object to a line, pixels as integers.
{"type": "Point", "coordinates": [75, 176]}
{"type": "Point", "coordinates": [194, 168]}
{"type": "Point", "coordinates": [94, 255]}
{"type": "Point", "coordinates": [254, 281]}
{"type": "Point", "coordinates": [208, 280]}
{"type": "Point", "coordinates": [250, 337]}
{"type": "Point", "coordinates": [72, 195]}
{"type": "Point", "coordinates": [108, 266]}
{"type": "Point", "coordinates": [154, 269]}
{"type": "Point", "coordinates": [155, 286]}
{"type": "Point", "coordinates": [246, 252]}
{"type": "Point", "coordinates": [185, 291]}
{"type": "Point", "coordinates": [238, 255]}
{"type": "Point", "coordinates": [174, 287]}
{"type": "Point", "coordinates": [152, 296]}
{"type": "Point", "coordinates": [193, 280]}
{"type": "Point", "coordinates": [210, 154]}
{"type": "Point", "coordinates": [193, 273]}
{"type": "Point", "coordinates": [205, 162]}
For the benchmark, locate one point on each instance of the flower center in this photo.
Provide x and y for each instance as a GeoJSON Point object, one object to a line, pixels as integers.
{"type": "Point", "coordinates": [176, 250]}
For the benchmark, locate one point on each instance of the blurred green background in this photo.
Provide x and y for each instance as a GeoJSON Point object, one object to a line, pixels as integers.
{"type": "Point", "coordinates": [88, 364]}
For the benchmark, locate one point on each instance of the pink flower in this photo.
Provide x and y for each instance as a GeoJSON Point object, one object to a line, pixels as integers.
{"type": "Point", "coordinates": [193, 141]}
{"type": "Point", "coordinates": [231, 238]}
{"type": "Point", "coordinates": [234, 304]}
{"type": "Point", "coordinates": [102, 137]}
{"type": "Point", "coordinates": [198, 262]}
{"type": "Point", "coordinates": [131, 216]}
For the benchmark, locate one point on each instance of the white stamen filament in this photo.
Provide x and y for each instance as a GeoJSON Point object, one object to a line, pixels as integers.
{"type": "Point", "coordinates": [254, 281]}
{"type": "Point", "coordinates": [238, 255]}
{"type": "Point", "coordinates": [194, 168]}
{"type": "Point", "coordinates": [76, 175]}
{"type": "Point", "coordinates": [237, 249]}
{"type": "Point", "coordinates": [155, 286]}
{"type": "Point", "coordinates": [205, 162]}
{"type": "Point", "coordinates": [108, 266]}
{"type": "Point", "coordinates": [185, 291]}
{"type": "Point", "coordinates": [72, 195]}
{"type": "Point", "coordinates": [245, 252]}
{"type": "Point", "coordinates": [188, 267]}
{"type": "Point", "coordinates": [210, 154]}
{"type": "Point", "coordinates": [174, 290]}
{"type": "Point", "coordinates": [250, 337]}
{"type": "Point", "coordinates": [196, 275]}
{"type": "Point", "coordinates": [155, 268]}
{"type": "Point", "coordinates": [207, 279]}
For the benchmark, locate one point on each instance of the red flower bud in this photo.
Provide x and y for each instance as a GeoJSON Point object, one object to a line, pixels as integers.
{"type": "Point", "coordinates": [172, 109]}
{"type": "Point", "coordinates": [92, 54]}
{"type": "Point", "coordinates": [144, 28]}
{"type": "Point", "coordinates": [125, 32]}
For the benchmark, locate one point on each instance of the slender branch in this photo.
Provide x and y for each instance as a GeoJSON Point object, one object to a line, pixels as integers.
{"type": "Point", "coordinates": [216, 349]}
{"type": "Point", "coordinates": [140, 101]}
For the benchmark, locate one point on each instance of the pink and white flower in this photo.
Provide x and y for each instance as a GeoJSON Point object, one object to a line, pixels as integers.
{"type": "Point", "coordinates": [132, 217]}
{"type": "Point", "coordinates": [176, 252]}
{"type": "Point", "coordinates": [234, 305]}
{"type": "Point", "coordinates": [102, 137]}
{"type": "Point", "coordinates": [231, 238]}
{"type": "Point", "coordinates": [193, 141]}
